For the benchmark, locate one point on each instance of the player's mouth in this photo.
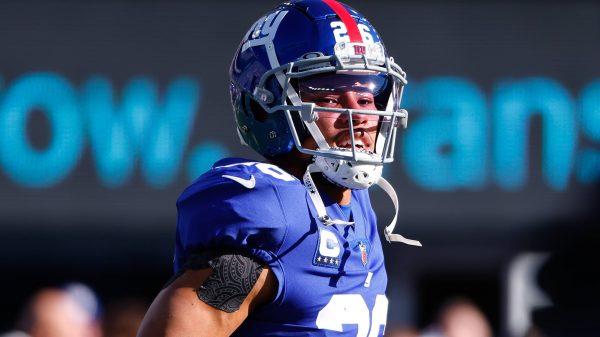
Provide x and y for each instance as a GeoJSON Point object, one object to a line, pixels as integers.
{"type": "Point", "coordinates": [361, 141]}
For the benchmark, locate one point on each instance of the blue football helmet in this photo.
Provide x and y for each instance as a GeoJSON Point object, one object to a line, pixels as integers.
{"type": "Point", "coordinates": [315, 45]}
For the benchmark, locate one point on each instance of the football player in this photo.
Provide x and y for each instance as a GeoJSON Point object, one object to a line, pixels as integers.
{"type": "Point", "coordinates": [289, 246]}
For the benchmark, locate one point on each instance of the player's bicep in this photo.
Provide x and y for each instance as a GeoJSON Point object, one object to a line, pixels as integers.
{"type": "Point", "coordinates": [185, 309]}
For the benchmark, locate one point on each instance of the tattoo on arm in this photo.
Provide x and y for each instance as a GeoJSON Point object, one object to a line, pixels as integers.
{"type": "Point", "coordinates": [232, 279]}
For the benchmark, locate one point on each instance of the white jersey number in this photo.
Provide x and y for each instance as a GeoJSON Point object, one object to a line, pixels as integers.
{"type": "Point", "coordinates": [265, 168]}
{"type": "Point", "coordinates": [352, 309]}
{"type": "Point", "coordinates": [274, 171]}
{"type": "Point", "coordinates": [340, 32]}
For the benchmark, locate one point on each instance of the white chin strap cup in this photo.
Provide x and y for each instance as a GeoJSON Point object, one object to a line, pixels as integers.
{"type": "Point", "coordinates": [327, 220]}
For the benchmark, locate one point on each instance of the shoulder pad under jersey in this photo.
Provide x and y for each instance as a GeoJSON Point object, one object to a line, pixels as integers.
{"type": "Point", "coordinates": [235, 205]}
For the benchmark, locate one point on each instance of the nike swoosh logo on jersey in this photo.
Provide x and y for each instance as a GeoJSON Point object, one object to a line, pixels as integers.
{"type": "Point", "coordinates": [247, 183]}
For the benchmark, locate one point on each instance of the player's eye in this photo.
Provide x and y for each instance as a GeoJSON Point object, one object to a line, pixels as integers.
{"type": "Point", "coordinates": [326, 101]}
{"type": "Point", "coordinates": [365, 101]}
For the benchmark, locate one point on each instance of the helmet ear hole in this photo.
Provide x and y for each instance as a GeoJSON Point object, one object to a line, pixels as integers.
{"type": "Point", "coordinates": [257, 111]}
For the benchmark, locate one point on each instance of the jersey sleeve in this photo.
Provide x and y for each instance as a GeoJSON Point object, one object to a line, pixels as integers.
{"type": "Point", "coordinates": [219, 214]}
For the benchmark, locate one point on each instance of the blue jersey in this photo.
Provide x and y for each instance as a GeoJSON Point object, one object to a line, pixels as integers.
{"type": "Point", "coordinates": [331, 279]}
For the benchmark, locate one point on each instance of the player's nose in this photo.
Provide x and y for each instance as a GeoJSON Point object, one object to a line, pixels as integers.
{"type": "Point", "coordinates": [351, 100]}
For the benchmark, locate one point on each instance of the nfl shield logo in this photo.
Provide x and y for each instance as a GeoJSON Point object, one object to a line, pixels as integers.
{"type": "Point", "coordinates": [363, 253]}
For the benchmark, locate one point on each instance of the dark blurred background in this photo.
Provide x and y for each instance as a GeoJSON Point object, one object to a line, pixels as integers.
{"type": "Point", "coordinates": [108, 109]}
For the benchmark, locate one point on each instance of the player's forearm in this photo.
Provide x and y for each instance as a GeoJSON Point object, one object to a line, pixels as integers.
{"type": "Point", "coordinates": [178, 312]}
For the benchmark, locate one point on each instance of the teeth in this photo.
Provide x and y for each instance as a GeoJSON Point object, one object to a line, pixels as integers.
{"type": "Point", "coordinates": [357, 143]}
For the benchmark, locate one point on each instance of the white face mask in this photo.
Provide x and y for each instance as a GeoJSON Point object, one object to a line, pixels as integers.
{"type": "Point", "coordinates": [328, 99]}
{"type": "Point", "coordinates": [349, 130]}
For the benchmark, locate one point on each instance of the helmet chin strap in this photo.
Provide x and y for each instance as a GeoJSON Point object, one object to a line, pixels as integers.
{"type": "Point", "coordinates": [316, 198]}
{"type": "Point", "coordinates": [392, 237]}
{"type": "Point", "coordinates": [328, 221]}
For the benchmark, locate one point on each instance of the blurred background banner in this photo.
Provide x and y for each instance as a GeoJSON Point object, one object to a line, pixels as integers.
{"type": "Point", "coordinates": [108, 109]}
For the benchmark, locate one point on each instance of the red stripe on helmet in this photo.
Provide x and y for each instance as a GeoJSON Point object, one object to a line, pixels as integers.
{"type": "Point", "coordinates": [347, 19]}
